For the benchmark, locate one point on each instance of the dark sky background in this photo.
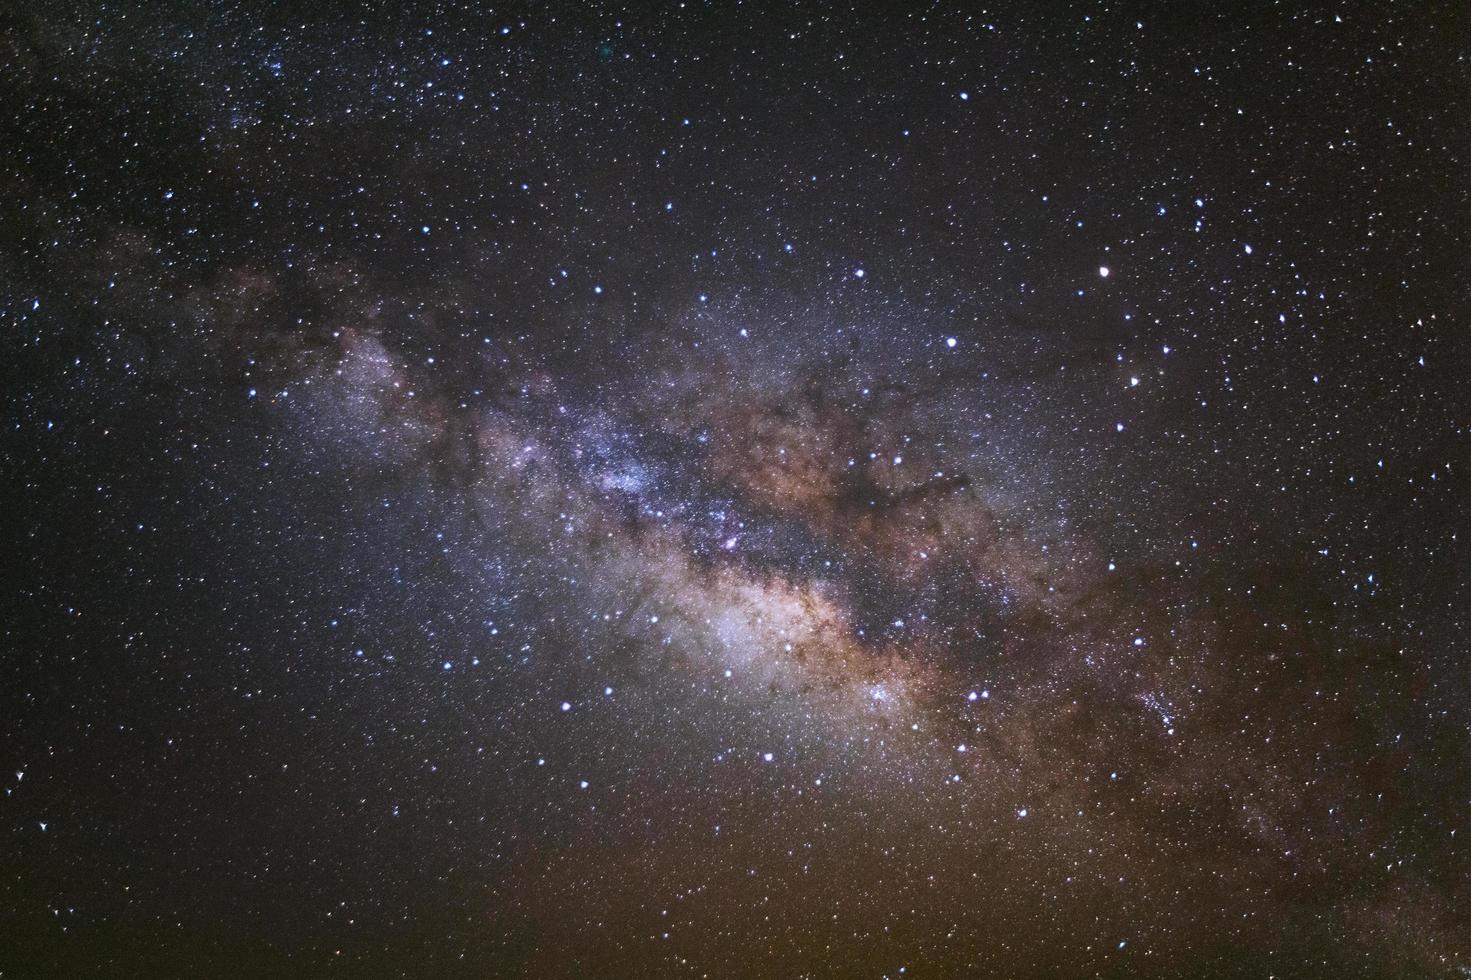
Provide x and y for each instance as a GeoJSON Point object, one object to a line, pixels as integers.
{"type": "Point", "coordinates": [735, 490]}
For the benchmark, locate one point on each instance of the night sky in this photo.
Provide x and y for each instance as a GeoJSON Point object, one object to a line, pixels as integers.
{"type": "Point", "coordinates": [735, 490]}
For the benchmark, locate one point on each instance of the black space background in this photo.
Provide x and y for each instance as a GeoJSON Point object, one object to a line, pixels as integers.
{"type": "Point", "coordinates": [212, 773]}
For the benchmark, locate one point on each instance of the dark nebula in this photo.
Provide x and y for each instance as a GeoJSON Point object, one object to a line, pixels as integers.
{"type": "Point", "coordinates": [730, 490]}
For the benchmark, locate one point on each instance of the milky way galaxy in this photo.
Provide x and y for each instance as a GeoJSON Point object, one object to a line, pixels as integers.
{"type": "Point", "coordinates": [698, 491]}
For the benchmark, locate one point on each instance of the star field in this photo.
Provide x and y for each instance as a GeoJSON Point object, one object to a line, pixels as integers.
{"type": "Point", "coordinates": [719, 491]}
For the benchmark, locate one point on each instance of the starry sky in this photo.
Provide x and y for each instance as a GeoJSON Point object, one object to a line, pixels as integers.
{"type": "Point", "coordinates": [735, 490]}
